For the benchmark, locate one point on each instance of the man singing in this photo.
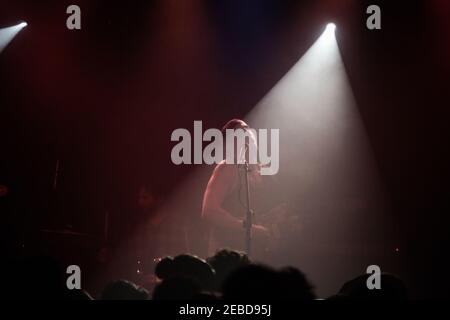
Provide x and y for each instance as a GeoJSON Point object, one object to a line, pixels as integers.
{"type": "Point", "coordinates": [224, 201]}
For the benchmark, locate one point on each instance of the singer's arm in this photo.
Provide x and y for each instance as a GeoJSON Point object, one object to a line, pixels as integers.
{"type": "Point", "coordinates": [222, 180]}
{"type": "Point", "coordinates": [219, 185]}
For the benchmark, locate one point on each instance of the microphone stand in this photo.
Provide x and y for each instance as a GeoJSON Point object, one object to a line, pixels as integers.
{"type": "Point", "coordinates": [248, 221]}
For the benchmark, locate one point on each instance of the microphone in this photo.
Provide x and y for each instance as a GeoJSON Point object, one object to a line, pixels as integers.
{"type": "Point", "coordinates": [243, 153]}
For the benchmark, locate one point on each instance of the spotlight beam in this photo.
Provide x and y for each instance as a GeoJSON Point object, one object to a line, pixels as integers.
{"type": "Point", "coordinates": [7, 34]}
{"type": "Point", "coordinates": [331, 27]}
{"type": "Point", "coordinates": [327, 169]}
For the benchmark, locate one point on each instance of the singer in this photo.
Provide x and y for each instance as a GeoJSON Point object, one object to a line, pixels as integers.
{"type": "Point", "coordinates": [224, 206]}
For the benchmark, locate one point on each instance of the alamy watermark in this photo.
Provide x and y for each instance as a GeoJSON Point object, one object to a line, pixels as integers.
{"type": "Point", "coordinates": [374, 280]}
{"type": "Point", "coordinates": [73, 21]}
{"type": "Point", "coordinates": [236, 146]}
{"type": "Point", "coordinates": [74, 279]}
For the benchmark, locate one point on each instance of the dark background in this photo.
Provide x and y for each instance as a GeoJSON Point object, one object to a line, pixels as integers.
{"type": "Point", "coordinates": [104, 100]}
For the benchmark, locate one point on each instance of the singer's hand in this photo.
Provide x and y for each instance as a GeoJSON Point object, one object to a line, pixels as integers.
{"type": "Point", "coordinates": [279, 212]}
{"type": "Point", "coordinates": [261, 234]}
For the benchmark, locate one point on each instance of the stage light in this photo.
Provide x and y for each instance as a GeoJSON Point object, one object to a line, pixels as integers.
{"type": "Point", "coordinates": [328, 36]}
{"type": "Point", "coordinates": [7, 34]}
{"type": "Point", "coordinates": [331, 27]}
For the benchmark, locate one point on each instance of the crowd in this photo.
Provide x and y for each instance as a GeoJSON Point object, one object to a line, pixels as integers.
{"type": "Point", "coordinates": [227, 275]}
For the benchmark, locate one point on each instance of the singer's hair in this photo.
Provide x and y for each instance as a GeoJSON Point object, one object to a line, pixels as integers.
{"type": "Point", "coordinates": [240, 124]}
{"type": "Point", "coordinates": [234, 124]}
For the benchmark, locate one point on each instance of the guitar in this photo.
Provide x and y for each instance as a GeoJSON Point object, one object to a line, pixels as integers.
{"type": "Point", "coordinates": [280, 221]}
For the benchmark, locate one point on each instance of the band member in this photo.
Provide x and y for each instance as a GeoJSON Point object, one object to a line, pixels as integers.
{"type": "Point", "coordinates": [147, 203]}
{"type": "Point", "coordinates": [162, 234]}
{"type": "Point", "coordinates": [150, 242]}
{"type": "Point", "coordinates": [224, 206]}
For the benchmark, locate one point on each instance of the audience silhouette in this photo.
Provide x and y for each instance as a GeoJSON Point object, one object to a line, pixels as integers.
{"type": "Point", "coordinates": [228, 275]}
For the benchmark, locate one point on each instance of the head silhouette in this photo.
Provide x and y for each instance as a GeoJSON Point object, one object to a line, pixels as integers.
{"type": "Point", "coordinates": [177, 288]}
{"type": "Point", "coordinates": [124, 290]}
{"type": "Point", "coordinates": [224, 262]}
{"type": "Point", "coordinates": [356, 289]}
{"type": "Point", "coordinates": [256, 282]}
